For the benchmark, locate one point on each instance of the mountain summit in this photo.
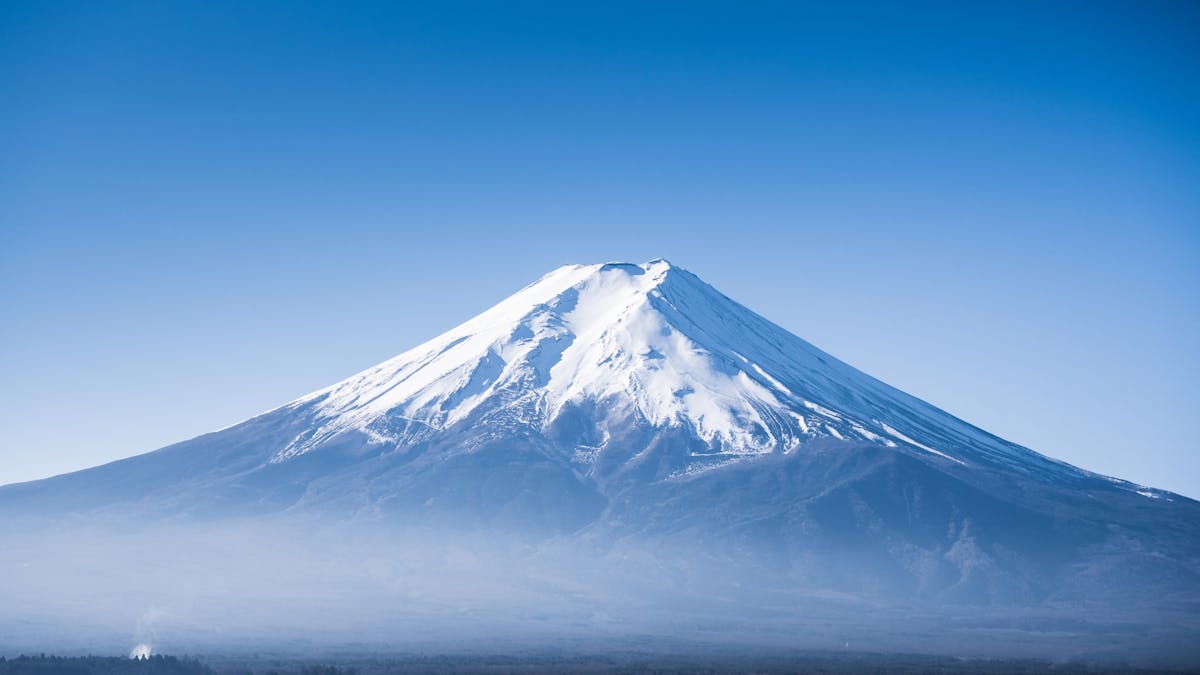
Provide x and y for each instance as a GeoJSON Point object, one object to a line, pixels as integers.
{"type": "Point", "coordinates": [648, 346]}
{"type": "Point", "coordinates": [630, 428]}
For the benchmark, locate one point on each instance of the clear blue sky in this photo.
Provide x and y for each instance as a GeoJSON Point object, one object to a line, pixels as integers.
{"type": "Point", "coordinates": [210, 208]}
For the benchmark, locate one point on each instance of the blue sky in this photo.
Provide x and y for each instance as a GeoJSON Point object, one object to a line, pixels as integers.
{"type": "Point", "coordinates": [207, 209]}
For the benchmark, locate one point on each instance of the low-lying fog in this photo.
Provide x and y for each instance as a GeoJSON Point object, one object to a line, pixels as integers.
{"type": "Point", "coordinates": [305, 587]}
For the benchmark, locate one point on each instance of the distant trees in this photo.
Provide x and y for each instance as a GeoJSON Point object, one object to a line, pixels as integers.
{"type": "Point", "coordinates": [101, 665]}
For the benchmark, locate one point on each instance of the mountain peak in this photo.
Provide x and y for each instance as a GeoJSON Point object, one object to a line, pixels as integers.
{"type": "Point", "coordinates": [630, 423]}
{"type": "Point", "coordinates": [613, 431]}
{"type": "Point", "coordinates": [575, 274]}
{"type": "Point", "coordinates": [658, 265]}
{"type": "Point", "coordinates": [638, 346]}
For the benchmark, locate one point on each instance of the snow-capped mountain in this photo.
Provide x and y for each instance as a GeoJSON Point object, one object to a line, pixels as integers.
{"type": "Point", "coordinates": [651, 342]}
{"type": "Point", "coordinates": [645, 344]}
{"type": "Point", "coordinates": [614, 423]}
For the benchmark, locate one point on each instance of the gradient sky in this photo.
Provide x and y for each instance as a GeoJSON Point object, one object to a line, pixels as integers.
{"type": "Point", "coordinates": [208, 209]}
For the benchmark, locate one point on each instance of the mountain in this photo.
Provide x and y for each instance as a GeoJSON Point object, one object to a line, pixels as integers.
{"type": "Point", "coordinates": [625, 426]}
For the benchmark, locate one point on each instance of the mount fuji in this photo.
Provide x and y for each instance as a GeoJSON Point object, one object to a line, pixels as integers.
{"type": "Point", "coordinates": [620, 446]}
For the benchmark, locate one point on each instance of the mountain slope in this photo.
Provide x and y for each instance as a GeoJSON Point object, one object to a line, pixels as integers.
{"type": "Point", "coordinates": [590, 355]}
{"type": "Point", "coordinates": [615, 423]}
{"type": "Point", "coordinates": [652, 340]}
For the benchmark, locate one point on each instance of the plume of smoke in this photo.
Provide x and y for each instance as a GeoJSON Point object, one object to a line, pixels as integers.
{"type": "Point", "coordinates": [145, 634]}
{"type": "Point", "coordinates": [141, 651]}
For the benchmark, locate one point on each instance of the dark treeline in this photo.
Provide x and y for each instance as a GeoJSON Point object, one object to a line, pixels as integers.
{"type": "Point", "coordinates": [825, 664]}
{"type": "Point", "coordinates": [101, 665]}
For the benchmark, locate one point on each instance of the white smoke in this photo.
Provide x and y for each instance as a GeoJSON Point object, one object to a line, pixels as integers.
{"type": "Point", "coordinates": [145, 634]}
{"type": "Point", "coordinates": [141, 651]}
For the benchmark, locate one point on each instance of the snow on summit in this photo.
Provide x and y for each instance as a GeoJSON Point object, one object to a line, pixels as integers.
{"type": "Point", "coordinates": [647, 344]}
{"type": "Point", "coordinates": [612, 438]}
